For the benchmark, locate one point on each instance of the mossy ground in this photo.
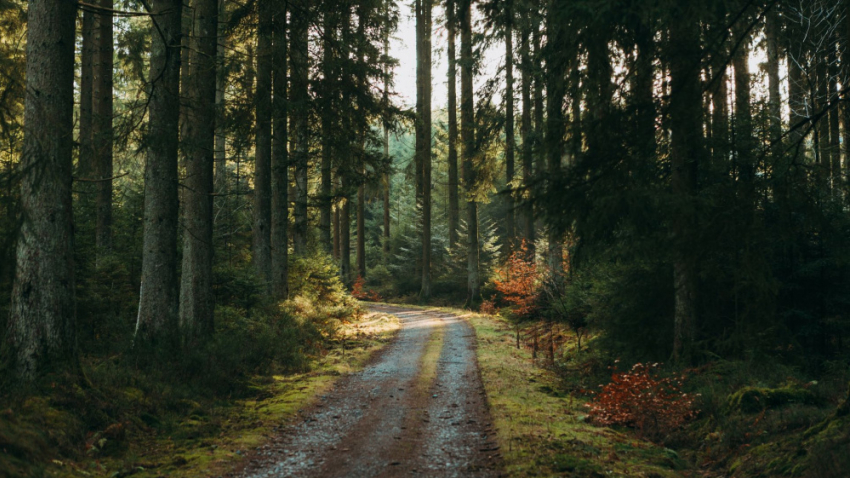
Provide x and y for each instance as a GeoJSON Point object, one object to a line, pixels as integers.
{"type": "Point", "coordinates": [541, 431]}
{"type": "Point", "coordinates": [192, 438]}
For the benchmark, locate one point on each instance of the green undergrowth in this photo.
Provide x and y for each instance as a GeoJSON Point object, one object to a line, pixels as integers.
{"type": "Point", "coordinates": [542, 431]}
{"type": "Point", "coordinates": [766, 419]}
{"type": "Point", "coordinates": [150, 422]}
{"type": "Point", "coordinates": [756, 418]}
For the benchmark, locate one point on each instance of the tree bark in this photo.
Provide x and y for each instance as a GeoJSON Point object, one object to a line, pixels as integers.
{"type": "Point", "coordinates": [345, 236]}
{"type": "Point", "coordinates": [158, 300]}
{"type": "Point", "coordinates": [834, 118]}
{"type": "Point", "coordinates": [85, 163]}
{"type": "Point", "coordinates": [643, 98]}
{"type": "Point", "coordinates": [797, 92]}
{"type": "Point", "coordinates": [329, 95]}
{"type": "Point", "coordinates": [102, 126]}
{"type": "Point", "coordinates": [263, 149]}
{"type": "Point", "coordinates": [686, 152]}
{"type": "Point", "coordinates": [538, 140]}
{"type": "Point", "coordinates": [42, 320]}
{"type": "Point", "coordinates": [280, 159]}
{"type": "Point", "coordinates": [196, 297]}
{"type": "Point", "coordinates": [336, 232]}
{"type": "Point", "coordinates": [527, 134]}
{"type": "Point", "coordinates": [467, 131]}
{"type": "Point", "coordinates": [423, 144]}
{"type": "Point", "coordinates": [454, 181]}
{"type": "Point", "coordinates": [361, 230]}
{"type": "Point", "coordinates": [385, 245]}
{"type": "Point", "coordinates": [556, 67]}
{"type": "Point", "coordinates": [300, 101]}
{"type": "Point", "coordinates": [510, 232]}
{"type": "Point", "coordinates": [720, 94]}
{"type": "Point", "coordinates": [845, 104]}
{"type": "Point", "coordinates": [744, 138]}
{"type": "Point", "coordinates": [220, 87]}
{"type": "Point", "coordinates": [773, 29]}
{"type": "Point", "coordinates": [820, 93]}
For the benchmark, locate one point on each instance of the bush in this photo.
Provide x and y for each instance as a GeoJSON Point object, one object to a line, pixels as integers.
{"type": "Point", "coordinates": [641, 399]}
{"type": "Point", "coordinates": [518, 282]}
{"type": "Point", "coordinates": [488, 307]}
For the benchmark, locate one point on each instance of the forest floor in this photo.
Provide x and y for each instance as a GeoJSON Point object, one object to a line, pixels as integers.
{"type": "Point", "coordinates": [187, 438]}
{"type": "Point", "coordinates": [414, 391]}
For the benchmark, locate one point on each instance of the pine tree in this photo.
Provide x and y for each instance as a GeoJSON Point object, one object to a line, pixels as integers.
{"type": "Point", "coordinates": [263, 150]}
{"type": "Point", "coordinates": [158, 296]}
{"type": "Point", "coordinates": [42, 320]}
{"type": "Point", "coordinates": [196, 294]}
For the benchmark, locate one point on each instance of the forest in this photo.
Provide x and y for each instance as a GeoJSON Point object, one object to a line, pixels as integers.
{"type": "Point", "coordinates": [215, 212]}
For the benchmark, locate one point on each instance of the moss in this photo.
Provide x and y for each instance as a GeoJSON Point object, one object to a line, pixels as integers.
{"type": "Point", "coordinates": [540, 429]}
{"type": "Point", "coordinates": [756, 399]}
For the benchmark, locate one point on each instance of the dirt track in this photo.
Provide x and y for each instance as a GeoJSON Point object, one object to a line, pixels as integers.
{"type": "Point", "coordinates": [402, 415]}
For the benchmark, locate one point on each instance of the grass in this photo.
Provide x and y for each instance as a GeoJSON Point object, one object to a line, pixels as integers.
{"type": "Point", "coordinates": [204, 438]}
{"type": "Point", "coordinates": [542, 432]}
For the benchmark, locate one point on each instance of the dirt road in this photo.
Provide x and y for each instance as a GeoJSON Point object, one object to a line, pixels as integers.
{"type": "Point", "coordinates": [417, 409]}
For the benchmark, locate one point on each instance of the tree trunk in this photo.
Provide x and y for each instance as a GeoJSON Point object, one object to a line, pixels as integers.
{"type": "Point", "coordinates": [845, 82]}
{"type": "Point", "coordinates": [102, 126]}
{"type": "Point", "coordinates": [744, 138]}
{"type": "Point", "coordinates": [686, 152]}
{"type": "Point", "coordinates": [361, 230]}
{"type": "Point", "coordinates": [220, 134]}
{"type": "Point", "coordinates": [385, 246]}
{"type": "Point", "coordinates": [556, 67]}
{"type": "Point", "coordinates": [300, 101]}
{"type": "Point", "coordinates": [773, 29]}
{"type": "Point", "coordinates": [834, 120]}
{"type": "Point", "coordinates": [510, 233]}
{"type": "Point", "coordinates": [280, 160]}
{"type": "Point", "coordinates": [329, 94]}
{"type": "Point", "coordinates": [820, 93]}
{"type": "Point", "coordinates": [345, 236]}
{"type": "Point", "coordinates": [467, 131]}
{"type": "Point", "coordinates": [196, 297]}
{"type": "Point", "coordinates": [263, 150]}
{"type": "Point", "coordinates": [454, 206]}
{"type": "Point", "coordinates": [643, 98]}
{"type": "Point", "coordinates": [423, 144]}
{"type": "Point", "coordinates": [336, 232]}
{"type": "Point", "coordinates": [720, 94]}
{"type": "Point", "coordinates": [538, 144]}
{"type": "Point", "coordinates": [85, 164]}
{"type": "Point", "coordinates": [42, 320]}
{"type": "Point", "coordinates": [527, 134]}
{"type": "Point", "coordinates": [158, 299]}
{"type": "Point", "coordinates": [797, 91]}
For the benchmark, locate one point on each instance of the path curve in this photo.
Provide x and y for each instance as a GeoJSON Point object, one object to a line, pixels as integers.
{"type": "Point", "coordinates": [400, 416]}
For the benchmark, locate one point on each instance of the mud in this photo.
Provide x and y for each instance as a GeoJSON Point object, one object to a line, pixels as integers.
{"type": "Point", "coordinates": [391, 419]}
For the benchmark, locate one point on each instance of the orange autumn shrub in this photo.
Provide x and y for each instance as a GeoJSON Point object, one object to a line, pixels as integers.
{"type": "Point", "coordinates": [519, 282]}
{"type": "Point", "coordinates": [639, 398]}
{"type": "Point", "coordinates": [488, 307]}
{"type": "Point", "coordinates": [358, 291]}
